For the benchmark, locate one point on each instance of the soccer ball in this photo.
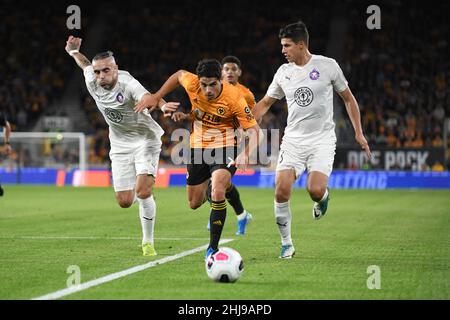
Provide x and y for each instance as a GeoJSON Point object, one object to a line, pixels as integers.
{"type": "Point", "coordinates": [226, 265]}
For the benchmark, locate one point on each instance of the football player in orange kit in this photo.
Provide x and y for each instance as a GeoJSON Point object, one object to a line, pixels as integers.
{"type": "Point", "coordinates": [218, 109]}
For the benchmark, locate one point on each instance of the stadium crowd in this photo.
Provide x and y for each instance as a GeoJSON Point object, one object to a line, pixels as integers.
{"type": "Point", "coordinates": [33, 70]}
{"type": "Point", "coordinates": [152, 56]}
{"type": "Point", "coordinates": [400, 78]}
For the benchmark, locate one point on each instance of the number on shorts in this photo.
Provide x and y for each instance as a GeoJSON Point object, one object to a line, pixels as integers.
{"type": "Point", "coordinates": [281, 156]}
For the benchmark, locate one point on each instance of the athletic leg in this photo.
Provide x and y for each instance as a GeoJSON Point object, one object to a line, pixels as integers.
{"type": "Point", "coordinates": [283, 188]}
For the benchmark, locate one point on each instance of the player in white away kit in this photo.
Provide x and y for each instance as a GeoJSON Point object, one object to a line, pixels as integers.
{"type": "Point", "coordinates": [135, 137]}
{"type": "Point", "coordinates": [309, 140]}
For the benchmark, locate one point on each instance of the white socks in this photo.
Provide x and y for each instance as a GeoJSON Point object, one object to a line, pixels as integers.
{"type": "Point", "coordinates": [147, 213]}
{"type": "Point", "coordinates": [325, 195]}
{"type": "Point", "coordinates": [283, 220]}
{"type": "Point", "coordinates": [242, 216]}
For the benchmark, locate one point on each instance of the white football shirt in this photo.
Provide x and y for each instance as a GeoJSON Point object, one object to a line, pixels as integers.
{"type": "Point", "coordinates": [127, 129]}
{"type": "Point", "coordinates": [309, 95]}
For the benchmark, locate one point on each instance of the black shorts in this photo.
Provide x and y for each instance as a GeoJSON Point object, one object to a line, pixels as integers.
{"type": "Point", "coordinates": [205, 161]}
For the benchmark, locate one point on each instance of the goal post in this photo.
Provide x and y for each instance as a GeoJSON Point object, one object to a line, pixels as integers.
{"type": "Point", "coordinates": [48, 158]}
{"type": "Point", "coordinates": [51, 149]}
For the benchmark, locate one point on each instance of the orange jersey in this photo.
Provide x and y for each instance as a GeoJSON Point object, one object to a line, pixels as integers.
{"type": "Point", "coordinates": [248, 95]}
{"type": "Point", "coordinates": [214, 121]}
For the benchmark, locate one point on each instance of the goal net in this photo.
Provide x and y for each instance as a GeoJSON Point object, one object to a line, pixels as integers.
{"type": "Point", "coordinates": [36, 156]}
{"type": "Point", "coordinates": [59, 150]}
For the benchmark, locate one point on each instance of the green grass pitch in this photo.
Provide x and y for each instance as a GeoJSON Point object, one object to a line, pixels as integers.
{"type": "Point", "coordinates": [405, 233]}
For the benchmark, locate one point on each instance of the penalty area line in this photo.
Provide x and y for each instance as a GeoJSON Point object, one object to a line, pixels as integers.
{"type": "Point", "coordinates": [83, 286]}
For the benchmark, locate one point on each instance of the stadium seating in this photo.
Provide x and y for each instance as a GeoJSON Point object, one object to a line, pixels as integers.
{"type": "Point", "coordinates": [33, 68]}
{"type": "Point", "coordinates": [151, 49]}
{"type": "Point", "coordinates": [400, 79]}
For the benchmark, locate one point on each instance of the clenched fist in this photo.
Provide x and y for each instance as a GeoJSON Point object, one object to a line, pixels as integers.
{"type": "Point", "coordinates": [73, 43]}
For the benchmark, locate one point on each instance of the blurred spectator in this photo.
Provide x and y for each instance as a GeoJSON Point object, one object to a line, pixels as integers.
{"type": "Point", "coordinates": [437, 166]}
{"type": "Point", "coordinates": [437, 141]}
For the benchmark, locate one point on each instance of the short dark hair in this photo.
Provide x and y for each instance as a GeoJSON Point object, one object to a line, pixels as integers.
{"type": "Point", "coordinates": [103, 55]}
{"type": "Point", "coordinates": [209, 68]}
{"type": "Point", "coordinates": [232, 59]}
{"type": "Point", "coordinates": [296, 31]}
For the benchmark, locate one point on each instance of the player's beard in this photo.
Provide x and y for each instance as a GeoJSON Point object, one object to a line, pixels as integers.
{"type": "Point", "coordinates": [108, 86]}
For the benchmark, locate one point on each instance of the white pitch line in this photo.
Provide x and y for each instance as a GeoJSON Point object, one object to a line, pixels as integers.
{"type": "Point", "coordinates": [92, 238]}
{"type": "Point", "coordinates": [77, 288]}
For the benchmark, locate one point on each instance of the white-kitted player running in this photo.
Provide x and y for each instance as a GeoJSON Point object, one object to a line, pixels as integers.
{"type": "Point", "coordinates": [309, 140]}
{"type": "Point", "coordinates": [135, 137]}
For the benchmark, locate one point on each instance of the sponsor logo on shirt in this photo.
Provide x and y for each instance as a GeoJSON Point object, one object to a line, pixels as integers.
{"type": "Point", "coordinates": [207, 117]}
{"type": "Point", "coordinates": [303, 96]}
{"type": "Point", "coordinates": [113, 115]}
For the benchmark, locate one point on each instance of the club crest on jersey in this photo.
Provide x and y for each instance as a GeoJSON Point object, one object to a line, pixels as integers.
{"type": "Point", "coordinates": [221, 110]}
{"type": "Point", "coordinates": [113, 115]}
{"type": "Point", "coordinates": [314, 74]}
{"type": "Point", "coordinates": [303, 96]}
{"type": "Point", "coordinates": [119, 97]}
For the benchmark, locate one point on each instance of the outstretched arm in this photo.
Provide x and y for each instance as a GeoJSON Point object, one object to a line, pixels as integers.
{"type": "Point", "coordinates": [262, 107]}
{"type": "Point", "coordinates": [166, 107]}
{"type": "Point", "coordinates": [151, 101]}
{"type": "Point", "coordinates": [355, 117]}
{"type": "Point", "coordinates": [73, 45]}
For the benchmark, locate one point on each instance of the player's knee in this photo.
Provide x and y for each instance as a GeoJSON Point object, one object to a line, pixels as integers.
{"type": "Point", "coordinates": [194, 204]}
{"type": "Point", "coordinates": [282, 194]}
{"type": "Point", "coordinates": [218, 194]}
{"type": "Point", "coordinates": [144, 194]}
{"type": "Point", "coordinates": [316, 192]}
{"type": "Point", "coordinates": [195, 201]}
{"type": "Point", "coordinates": [125, 203]}
{"type": "Point", "coordinates": [124, 200]}
{"type": "Point", "coordinates": [281, 197]}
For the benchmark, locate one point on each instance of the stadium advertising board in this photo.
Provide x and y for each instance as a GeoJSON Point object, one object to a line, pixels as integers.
{"type": "Point", "coordinates": [389, 159]}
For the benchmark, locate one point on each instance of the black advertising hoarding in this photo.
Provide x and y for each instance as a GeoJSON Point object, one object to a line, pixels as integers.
{"type": "Point", "coordinates": [390, 158]}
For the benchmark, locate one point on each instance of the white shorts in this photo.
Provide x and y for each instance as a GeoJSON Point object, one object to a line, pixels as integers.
{"type": "Point", "coordinates": [318, 157]}
{"type": "Point", "coordinates": [126, 166]}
